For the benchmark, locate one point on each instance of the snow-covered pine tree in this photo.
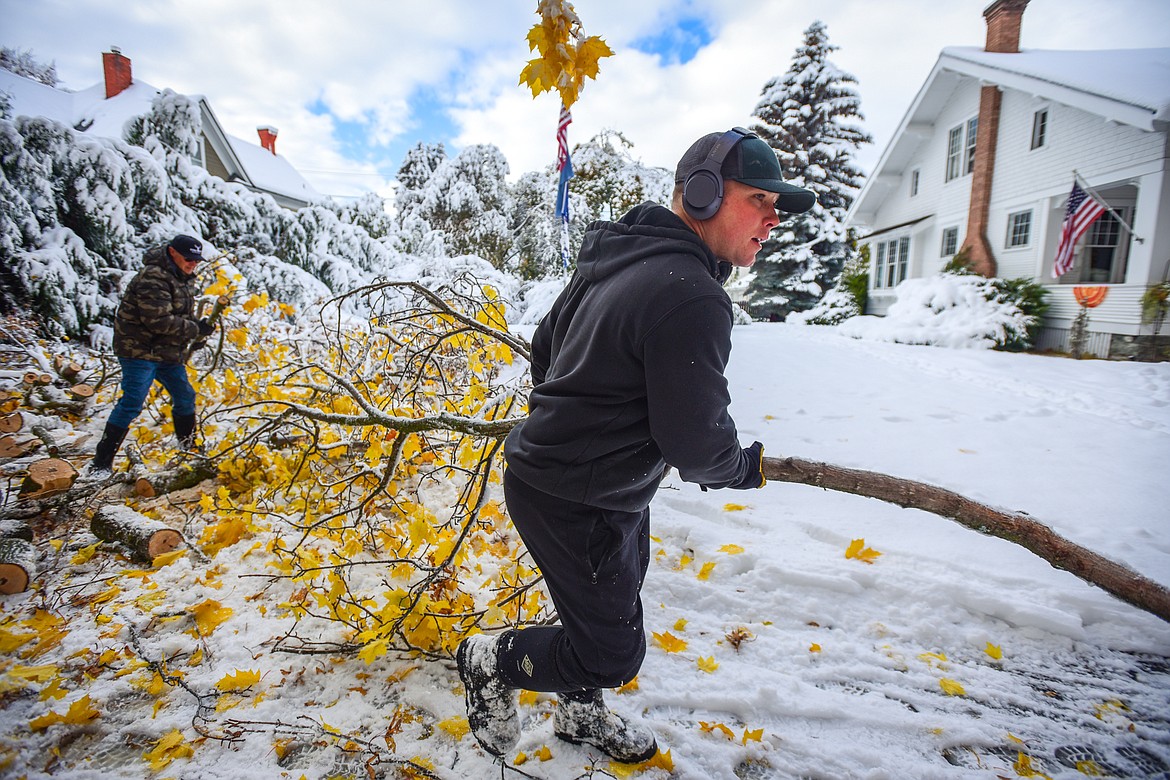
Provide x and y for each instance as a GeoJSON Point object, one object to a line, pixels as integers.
{"type": "Point", "coordinates": [805, 115]}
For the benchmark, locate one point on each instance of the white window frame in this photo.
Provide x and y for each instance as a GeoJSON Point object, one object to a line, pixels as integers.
{"type": "Point", "coordinates": [1019, 230]}
{"type": "Point", "coordinates": [951, 233]}
{"type": "Point", "coordinates": [954, 152]}
{"type": "Point", "coordinates": [1117, 239]}
{"type": "Point", "coordinates": [892, 262]}
{"type": "Point", "coordinates": [969, 147]}
{"type": "Point", "coordinates": [1040, 128]}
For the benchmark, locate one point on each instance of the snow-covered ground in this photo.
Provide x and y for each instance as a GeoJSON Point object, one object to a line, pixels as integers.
{"type": "Point", "coordinates": [950, 655]}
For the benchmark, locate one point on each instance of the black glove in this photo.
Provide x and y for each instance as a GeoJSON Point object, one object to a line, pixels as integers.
{"type": "Point", "coordinates": [755, 477]}
{"type": "Point", "coordinates": [205, 328]}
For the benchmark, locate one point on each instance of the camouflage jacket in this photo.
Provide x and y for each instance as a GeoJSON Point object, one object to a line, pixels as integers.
{"type": "Point", "coordinates": [156, 319]}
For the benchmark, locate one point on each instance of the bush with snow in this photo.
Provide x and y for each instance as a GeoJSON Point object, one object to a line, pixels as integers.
{"type": "Point", "coordinates": [948, 310]}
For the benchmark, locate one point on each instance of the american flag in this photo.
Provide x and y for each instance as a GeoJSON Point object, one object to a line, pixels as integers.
{"type": "Point", "coordinates": [565, 166]}
{"type": "Point", "coordinates": [1082, 210]}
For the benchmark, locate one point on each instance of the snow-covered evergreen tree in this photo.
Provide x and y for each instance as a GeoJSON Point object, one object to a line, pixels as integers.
{"type": "Point", "coordinates": [806, 116]}
{"type": "Point", "coordinates": [24, 63]}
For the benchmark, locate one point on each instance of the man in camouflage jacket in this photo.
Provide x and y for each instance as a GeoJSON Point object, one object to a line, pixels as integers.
{"type": "Point", "coordinates": [155, 331]}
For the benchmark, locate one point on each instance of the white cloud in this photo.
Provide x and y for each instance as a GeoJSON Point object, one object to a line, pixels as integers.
{"type": "Point", "coordinates": [267, 62]}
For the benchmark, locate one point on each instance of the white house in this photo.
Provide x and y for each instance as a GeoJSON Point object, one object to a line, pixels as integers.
{"type": "Point", "coordinates": [985, 159]}
{"type": "Point", "coordinates": [104, 108]}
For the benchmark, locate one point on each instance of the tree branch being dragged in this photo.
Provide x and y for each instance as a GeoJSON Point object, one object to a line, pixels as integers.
{"type": "Point", "coordinates": [1120, 581]}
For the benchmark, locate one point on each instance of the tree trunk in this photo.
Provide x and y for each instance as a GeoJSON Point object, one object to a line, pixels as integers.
{"type": "Point", "coordinates": [16, 527]}
{"type": "Point", "coordinates": [1122, 582]}
{"type": "Point", "coordinates": [47, 477]}
{"type": "Point", "coordinates": [45, 435]}
{"type": "Point", "coordinates": [18, 564]}
{"type": "Point", "coordinates": [145, 537]}
{"type": "Point", "coordinates": [11, 448]}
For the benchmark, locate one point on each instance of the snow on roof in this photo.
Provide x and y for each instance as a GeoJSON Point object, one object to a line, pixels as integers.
{"type": "Point", "coordinates": [1137, 77]}
{"type": "Point", "coordinates": [90, 110]}
{"type": "Point", "coordinates": [271, 172]}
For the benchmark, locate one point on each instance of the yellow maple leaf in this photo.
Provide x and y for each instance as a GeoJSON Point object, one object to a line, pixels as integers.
{"type": "Point", "coordinates": [167, 749]}
{"type": "Point", "coordinates": [858, 551]}
{"type": "Point", "coordinates": [731, 549]}
{"type": "Point", "coordinates": [238, 681]}
{"type": "Point", "coordinates": [708, 664]}
{"type": "Point", "coordinates": [951, 687]}
{"type": "Point", "coordinates": [734, 507]}
{"type": "Point", "coordinates": [84, 554]}
{"type": "Point", "coordinates": [589, 53]}
{"type": "Point", "coordinates": [995, 651]}
{"type": "Point", "coordinates": [756, 735]}
{"type": "Point", "coordinates": [456, 726]}
{"type": "Point", "coordinates": [373, 651]}
{"type": "Point", "coordinates": [705, 572]}
{"type": "Point", "coordinates": [10, 641]}
{"type": "Point", "coordinates": [814, 648]}
{"type": "Point", "coordinates": [208, 615]}
{"type": "Point", "coordinates": [669, 642]}
{"type": "Point", "coordinates": [528, 698]}
{"type": "Point", "coordinates": [711, 728]}
{"type": "Point", "coordinates": [680, 624]}
{"type": "Point", "coordinates": [1023, 767]}
{"type": "Point", "coordinates": [544, 754]}
{"type": "Point", "coordinates": [521, 758]}
{"type": "Point", "coordinates": [79, 713]}
{"type": "Point", "coordinates": [629, 687]}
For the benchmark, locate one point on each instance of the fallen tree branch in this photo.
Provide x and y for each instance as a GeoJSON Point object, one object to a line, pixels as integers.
{"type": "Point", "coordinates": [1122, 582]}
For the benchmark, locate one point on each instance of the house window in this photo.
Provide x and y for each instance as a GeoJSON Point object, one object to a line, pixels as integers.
{"type": "Point", "coordinates": [1039, 128]}
{"type": "Point", "coordinates": [972, 131]}
{"type": "Point", "coordinates": [950, 242]}
{"type": "Point", "coordinates": [954, 152]}
{"type": "Point", "coordinates": [893, 257]}
{"type": "Point", "coordinates": [1019, 231]}
{"type": "Point", "coordinates": [1104, 253]}
{"type": "Point", "coordinates": [913, 182]}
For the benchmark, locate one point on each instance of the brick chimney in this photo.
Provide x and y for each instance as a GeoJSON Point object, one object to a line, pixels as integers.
{"type": "Point", "coordinates": [117, 72]}
{"type": "Point", "coordinates": [268, 137]}
{"type": "Point", "coordinates": [1003, 36]}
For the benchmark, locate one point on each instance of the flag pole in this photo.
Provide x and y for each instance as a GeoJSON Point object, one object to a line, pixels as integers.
{"type": "Point", "coordinates": [1112, 213]}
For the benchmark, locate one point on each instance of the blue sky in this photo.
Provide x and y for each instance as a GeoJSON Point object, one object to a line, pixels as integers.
{"type": "Point", "coordinates": [352, 85]}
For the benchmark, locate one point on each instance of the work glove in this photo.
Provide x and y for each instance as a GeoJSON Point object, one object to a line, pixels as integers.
{"type": "Point", "coordinates": [205, 328]}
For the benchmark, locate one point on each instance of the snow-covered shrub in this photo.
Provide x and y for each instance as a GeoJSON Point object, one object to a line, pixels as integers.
{"type": "Point", "coordinates": [947, 310]}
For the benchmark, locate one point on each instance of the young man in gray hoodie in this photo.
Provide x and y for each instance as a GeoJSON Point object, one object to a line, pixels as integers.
{"type": "Point", "coordinates": [627, 373]}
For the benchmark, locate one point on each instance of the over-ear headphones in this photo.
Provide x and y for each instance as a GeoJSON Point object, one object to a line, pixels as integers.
{"type": "Point", "coordinates": [703, 188]}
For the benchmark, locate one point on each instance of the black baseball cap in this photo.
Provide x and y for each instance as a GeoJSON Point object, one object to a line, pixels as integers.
{"type": "Point", "coordinates": [188, 247]}
{"type": "Point", "coordinates": [752, 162]}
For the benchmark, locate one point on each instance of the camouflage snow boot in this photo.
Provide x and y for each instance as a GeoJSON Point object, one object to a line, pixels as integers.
{"type": "Point", "coordinates": [491, 704]}
{"type": "Point", "coordinates": [582, 717]}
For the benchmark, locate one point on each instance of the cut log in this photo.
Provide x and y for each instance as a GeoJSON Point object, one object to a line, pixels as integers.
{"type": "Point", "coordinates": [1122, 582]}
{"type": "Point", "coordinates": [11, 448]}
{"type": "Point", "coordinates": [65, 367]}
{"type": "Point", "coordinates": [47, 478]}
{"type": "Point", "coordinates": [146, 538]}
{"type": "Point", "coordinates": [18, 565]}
{"type": "Point", "coordinates": [80, 392]}
{"type": "Point", "coordinates": [185, 475]}
{"type": "Point", "coordinates": [11, 423]}
{"type": "Point", "coordinates": [45, 435]}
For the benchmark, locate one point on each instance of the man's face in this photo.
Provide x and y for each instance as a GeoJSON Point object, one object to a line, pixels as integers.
{"type": "Point", "coordinates": [738, 230]}
{"type": "Point", "coordinates": [185, 265]}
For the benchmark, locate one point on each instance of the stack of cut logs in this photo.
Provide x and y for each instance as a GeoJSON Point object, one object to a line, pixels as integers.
{"type": "Point", "coordinates": [23, 434]}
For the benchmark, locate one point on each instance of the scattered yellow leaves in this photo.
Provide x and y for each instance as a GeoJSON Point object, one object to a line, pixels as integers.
{"type": "Point", "coordinates": [457, 726]}
{"type": "Point", "coordinates": [858, 551]}
{"type": "Point", "coordinates": [208, 615]}
{"type": "Point", "coordinates": [238, 681]}
{"type": "Point", "coordinates": [669, 642]}
{"type": "Point", "coordinates": [79, 713]}
{"type": "Point", "coordinates": [951, 687]}
{"type": "Point", "coordinates": [167, 749]}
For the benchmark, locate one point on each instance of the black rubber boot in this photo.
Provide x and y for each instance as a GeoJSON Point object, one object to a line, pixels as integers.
{"type": "Point", "coordinates": [491, 704]}
{"type": "Point", "coordinates": [107, 448]}
{"type": "Point", "coordinates": [583, 718]}
{"type": "Point", "coordinates": [185, 430]}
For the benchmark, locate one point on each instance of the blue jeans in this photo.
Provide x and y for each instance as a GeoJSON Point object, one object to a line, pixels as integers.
{"type": "Point", "coordinates": [138, 376]}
